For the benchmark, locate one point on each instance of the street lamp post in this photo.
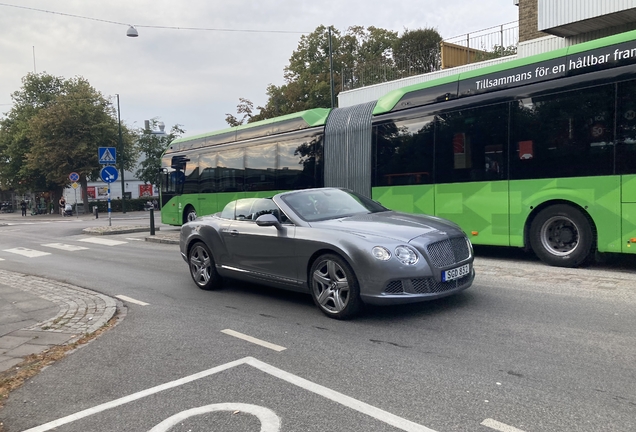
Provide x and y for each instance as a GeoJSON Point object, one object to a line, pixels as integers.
{"type": "Point", "coordinates": [121, 159]}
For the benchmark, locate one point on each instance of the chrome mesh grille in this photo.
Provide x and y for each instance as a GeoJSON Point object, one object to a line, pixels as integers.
{"type": "Point", "coordinates": [448, 252]}
{"type": "Point", "coordinates": [431, 286]}
{"type": "Point", "coordinates": [394, 287]}
{"type": "Point", "coordinates": [423, 286]}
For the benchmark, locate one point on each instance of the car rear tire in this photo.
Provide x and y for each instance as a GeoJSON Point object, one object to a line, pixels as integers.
{"type": "Point", "coordinates": [203, 267]}
{"type": "Point", "coordinates": [189, 214]}
{"type": "Point", "coordinates": [334, 287]}
{"type": "Point", "coordinates": [561, 236]}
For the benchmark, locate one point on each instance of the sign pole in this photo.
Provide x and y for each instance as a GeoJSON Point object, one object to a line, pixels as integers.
{"type": "Point", "coordinates": [109, 221]}
{"type": "Point", "coordinates": [76, 208]}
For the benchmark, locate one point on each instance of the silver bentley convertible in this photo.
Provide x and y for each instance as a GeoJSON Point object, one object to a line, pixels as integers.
{"type": "Point", "coordinates": [344, 249]}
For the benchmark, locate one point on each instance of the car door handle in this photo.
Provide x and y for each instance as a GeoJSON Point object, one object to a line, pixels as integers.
{"type": "Point", "coordinates": [233, 232]}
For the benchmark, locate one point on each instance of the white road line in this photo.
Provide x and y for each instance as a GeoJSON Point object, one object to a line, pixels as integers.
{"type": "Point", "coordinates": [65, 247]}
{"type": "Point", "coordinates": [1, 259]}
{"type": "Point", "coordinates": [29, 253]}
{"type": "Point", "coordinates": [134, 239]}
{"type": "Point", "coordinates": [377, 413]}
{"type": "Point", "coordinates": [270, 422]}
{"type": "Point", "coordinates": [131, 300]}
{"type": "Point", "coordinates": [254, 340]}
{"type": "Point", "coordinates": [501, 427]}
{"type": "Point", "coordinates": [102, 241]}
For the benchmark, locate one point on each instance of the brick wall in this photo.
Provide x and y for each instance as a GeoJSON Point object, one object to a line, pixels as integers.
{"type": "Point", "coordinates": [528, 20]}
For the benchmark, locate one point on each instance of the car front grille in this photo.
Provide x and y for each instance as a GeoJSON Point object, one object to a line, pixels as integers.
{"type": "Point", "coordinates": [431, 286]}
{"type": "Point", "coordinates": [448, 252]}
{"type": "Point", "coordinates": [423, 286]}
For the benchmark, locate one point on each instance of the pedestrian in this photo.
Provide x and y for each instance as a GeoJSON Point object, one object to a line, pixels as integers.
{"type": "Point", "coordinates": [155, 204]}
{"type": "Point", "coordinates": [62, 205]}
{"type": "Point", "coordinates": [23, 206]}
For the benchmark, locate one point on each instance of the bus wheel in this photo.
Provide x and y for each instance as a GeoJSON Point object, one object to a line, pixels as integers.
{"type": "Point", "coordinates": [189, 214]}
{"type": "Point", "coordinates": [561, 236]}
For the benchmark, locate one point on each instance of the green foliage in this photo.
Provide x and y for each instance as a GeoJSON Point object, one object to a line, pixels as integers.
{"type": "Point", "coordinates": [417, 51]}
{"type": "Point", "coordinates": [135, 204]}
{"type": "Point", "coordinates": [245, 107]}
{"type": "Point", "coordinates": [497, 51]}
{"type": "Point", "coordinates": [37, 93]}
{"type": "Point", "coordinates": [371, 54]}
{"type": "Point", "coordinates": [152, 145]}
{"type": "Point", "coordinates": [54, 128]}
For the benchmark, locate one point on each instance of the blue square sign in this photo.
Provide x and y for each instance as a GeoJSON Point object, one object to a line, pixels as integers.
{"type": "Point", "coordinates": [107, 155]}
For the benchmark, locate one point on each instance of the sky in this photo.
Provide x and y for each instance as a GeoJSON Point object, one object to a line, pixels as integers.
{"type": "Point", "coordinates": [193, 78]}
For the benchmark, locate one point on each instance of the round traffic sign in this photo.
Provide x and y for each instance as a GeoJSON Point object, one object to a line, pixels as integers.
{"type": "Point", "coordinates": [73, 176]}
{"type": "Point", "coordinates": [109, 174]}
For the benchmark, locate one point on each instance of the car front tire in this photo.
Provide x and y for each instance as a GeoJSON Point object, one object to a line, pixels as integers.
{"type": "Point", "coordinates": [334, 287]}
{"type": "Point", "coordinates": [203, 268]}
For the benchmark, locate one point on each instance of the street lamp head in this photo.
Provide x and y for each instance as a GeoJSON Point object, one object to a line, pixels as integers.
{"type": "Point", "coordinates": [132, 32]}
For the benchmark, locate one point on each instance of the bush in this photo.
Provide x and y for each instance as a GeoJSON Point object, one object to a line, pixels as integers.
{"type": "Point", "coordinates": [136, 204]}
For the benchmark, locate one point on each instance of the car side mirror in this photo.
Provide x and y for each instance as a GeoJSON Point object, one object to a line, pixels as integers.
{"type": "Point", "coordinates": [268, 220]}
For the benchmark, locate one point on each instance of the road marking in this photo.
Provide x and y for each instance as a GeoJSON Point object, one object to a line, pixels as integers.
{"type": "Point", "coordinates": [270, 422]}
{"type": "Point", "coordinates": [501, 427]}
{"type": "Point", "coordinates": [29, 253]}
{"type": "Point", "coordinates": [361, 407]}
{"type": "Point", "coordinates": [65, 247]}
{"type": "Point", "coordinates": [102, 241]}
{"type": "Point", "coordinates": [131, 300]}
{"type": "Point", "coordinates": [254, 340]}
{"type": "Point", "coordinates": [134, 239]}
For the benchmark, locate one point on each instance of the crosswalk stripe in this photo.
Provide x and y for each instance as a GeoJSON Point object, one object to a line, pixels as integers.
{"type": "Point", "coordinates": [65, 247]}
{"type": "Point", "coordinates": [29, 253]}
{"type": "Point", "coordinates": [102, 241]}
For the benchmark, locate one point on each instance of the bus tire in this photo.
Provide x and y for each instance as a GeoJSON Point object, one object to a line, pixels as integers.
{"type": "Point", "coordinates": [189, 214]}
{"type": "Point", "coordinates": [561, 235]}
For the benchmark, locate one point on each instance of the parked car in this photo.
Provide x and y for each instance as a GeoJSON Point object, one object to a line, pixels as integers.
{"type": "Point", "coordinates": [342, 248]}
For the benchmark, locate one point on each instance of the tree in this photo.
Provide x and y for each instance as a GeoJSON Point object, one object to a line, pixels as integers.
{"type": "Point", "coordinates": [418, 51]}
{"type": "Point", "coordinates": [54, 128]}
{"type": "Point", "coordinates": [151, 146]}
{"type": "Point", "coordinates": [360, 56]}
{"type": "Point", "coordinates": [37, 93]}
{"type": "Point", "coordinates": [244, 107]}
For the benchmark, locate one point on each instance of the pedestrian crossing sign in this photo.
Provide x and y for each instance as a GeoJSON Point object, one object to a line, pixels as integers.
{"type": "Point", "coordinates": [107, 155]}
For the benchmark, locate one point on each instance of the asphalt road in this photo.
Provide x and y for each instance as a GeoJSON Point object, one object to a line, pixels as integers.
{"type": "Point", "coordinates": [527, 348]}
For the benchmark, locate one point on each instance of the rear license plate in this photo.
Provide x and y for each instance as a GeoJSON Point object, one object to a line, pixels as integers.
{"type": "Point", "coordinates": [455, 273]}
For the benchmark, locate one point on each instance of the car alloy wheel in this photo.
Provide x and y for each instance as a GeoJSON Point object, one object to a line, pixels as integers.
{"type": "Point", "coordinates": [202, 267]}
{"type": "Point", "coordinates": [334, 287]}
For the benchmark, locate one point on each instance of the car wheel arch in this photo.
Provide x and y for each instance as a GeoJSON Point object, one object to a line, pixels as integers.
{"type": "Point", "coordinates": [323, 251]}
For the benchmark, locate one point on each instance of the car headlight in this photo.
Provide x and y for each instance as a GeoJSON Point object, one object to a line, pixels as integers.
{"type": "Point", "coordinates": [406, 255]}
{"type": "Point", "coordinates": [381, 253]}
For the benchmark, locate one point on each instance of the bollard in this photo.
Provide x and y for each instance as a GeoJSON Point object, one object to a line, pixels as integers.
{"type": "Point", "coordinates": [152, 221]}
{"type": "Point", "coordinates": [96, 212]}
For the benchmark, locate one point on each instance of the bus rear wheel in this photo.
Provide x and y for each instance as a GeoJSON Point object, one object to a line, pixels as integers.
{"type": "Point", "coordinates": [561, 235]}
{"type": "Point", "coordinates": [189, 214]}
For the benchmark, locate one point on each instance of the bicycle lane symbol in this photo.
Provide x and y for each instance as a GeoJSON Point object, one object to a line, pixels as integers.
{"type": "Point", "coordinates": [270, 422]}
{"type": "Point", "coordinates": [267, 417]}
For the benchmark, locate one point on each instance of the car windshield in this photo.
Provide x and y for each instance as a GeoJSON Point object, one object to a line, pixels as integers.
{"type": "Point", "coordinates": [323, 204]}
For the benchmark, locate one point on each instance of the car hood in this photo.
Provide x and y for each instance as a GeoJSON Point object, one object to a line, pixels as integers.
{"type": "Point", "coordinates": [395, 225]}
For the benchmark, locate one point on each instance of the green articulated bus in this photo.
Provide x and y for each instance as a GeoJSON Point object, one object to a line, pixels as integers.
{"type": "Point", "coordinates": [537, 153]}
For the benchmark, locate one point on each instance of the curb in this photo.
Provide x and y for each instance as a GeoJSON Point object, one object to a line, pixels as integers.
{"type": "Point", "coordinates": [166, 239]}
{"type": "Point", "coordinates": [109, 230]}
{"type": "Point", "coordinates": [81, 312]}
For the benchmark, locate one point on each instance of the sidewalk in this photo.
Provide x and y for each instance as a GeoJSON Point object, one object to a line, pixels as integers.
{"type": "Point", "coordinates": [37, 314]}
